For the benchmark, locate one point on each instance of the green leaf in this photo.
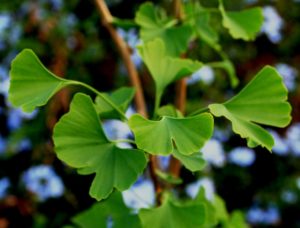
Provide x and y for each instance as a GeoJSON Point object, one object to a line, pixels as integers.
{"type": "Point", "coordinates": [121, 98]}
{"type": "Point", "coordinates": [81, 143]}
{"type": "Point", "coordinates": [173, 215]}
{"type": "Point", "coordinates": [154, 25]}
{"type": "Point", "coordinates": [199, 18]}
{"type": "Point", "coordinates": [194, 162]}
{"type": "Point", "coordinates": [99, 213]}
{"type": "Point", "coordinates": [169, 110]}
{"type": "Point", "coordinates": [187, 135]}
{"type": "Point", "coordinates": [165, 69]}
{"type": "Point", "coordinates": [31, 84]}
{"type": "Point", "coordinates": [262, 101]}
{"type": "Point", "coordinates": [237, 220]}
{"type": "Point", "coordinates": [244, 24]}
{"type": "Point", "coordinates": [211, 219]}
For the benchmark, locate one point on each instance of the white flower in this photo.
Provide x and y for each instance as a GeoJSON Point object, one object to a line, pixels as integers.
{"type": "Point", "coordinates": [213, 153]}
{"type": "Point", "coordinates": [205, 74]}
{"type": "Point", "coordinates": [242, 156]}
{"type": "Point", "coordinates": [140, 195]}
{"type": "Point", "coordinates": [273, 23]}
{"type": "Point", "coordinates": [293, 138]}
{"type": "Point", "coordinates": [43, 181]}
{"type": "Point", "coordinates": [281, 145]}
{"type": "Point", "coordinates": [208, 185]}
{"type": "Point", "coordinates": [289, 75]}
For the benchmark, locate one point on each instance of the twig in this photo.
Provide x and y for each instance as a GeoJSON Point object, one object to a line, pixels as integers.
{"type": "Point", "coordinates": [124, 51]}
{"type": "Point", "coordinates": [180, 97]}
{"type": "Point", "coordinates": [107, 20]}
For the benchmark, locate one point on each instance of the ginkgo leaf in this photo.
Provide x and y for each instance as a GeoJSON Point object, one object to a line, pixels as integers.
{"type": "Point", "coordinates": [154, 25]}
{"type": "Point", "coordinates": [262, 101]}
{"type": "Point", "coordinates": [165, 69]}
{"type": "Point", "coordinates": [187, 135]}
{"type": "Point", "coordinates": [112, 208]}
{"type": "Point", "coordinates": [244, 24]}
{"type": "Point", "coordinates": [193, 162]}
{"type": "Point", "coordinates": [173, 215]}
{"type": "Point", "coordinates": [120, 97]}
{"type": "Point", "coordinates": [31, 84]}
{"type": "Point", "coordinates": [81, 143]}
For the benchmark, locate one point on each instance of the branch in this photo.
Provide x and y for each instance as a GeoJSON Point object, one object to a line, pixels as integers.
{"type": "Point", "coordinates": [124, 51]}
{"type": "Point", "coordinates": [180, 97]}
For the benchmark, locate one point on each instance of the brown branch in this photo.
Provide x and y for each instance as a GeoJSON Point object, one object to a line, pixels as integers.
{"type": "Point", "coordinates": [125, 54]}
{"type": "Point", "coordinates": [124, 51]}
{"type": "Point", "coordinates": [180, 94]}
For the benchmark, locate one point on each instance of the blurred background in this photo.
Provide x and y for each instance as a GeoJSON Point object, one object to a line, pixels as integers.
{"type": "Point", "coordinates": [37, 190]}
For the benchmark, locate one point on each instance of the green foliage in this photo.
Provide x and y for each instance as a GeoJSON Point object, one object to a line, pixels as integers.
{"type": "Point", "coordinates": [262, 101]}
{"type": "Point", "coordinates": [244, 24]}
{"type": "Point", "coordinates": [155, 24]}
{"type": "Point", "coordinates": [187, 135]}
{"type": "Point", "coordinates": [27, 72]}
{"type": "Point", "coordinates": [163, 68]}
{"type": "Point", "coordinates": [112, 208]}
{"type": "Point", "coordinates": [80, 142]}
{"type": "Point", "coordinates": [172, 214]}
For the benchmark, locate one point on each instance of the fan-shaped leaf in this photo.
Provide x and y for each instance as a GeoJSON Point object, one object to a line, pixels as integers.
{"type": "Point", "coordinates": [80, 142]}
{"type": "Point", "coordinates": [187, 135]}
{"type": "Point", "coordinates": [244, 24]}
{"type": "Point", "coordinates": [113, 207]}
{"type": "Point", "coordinates": [31, 84]}
{"type": "Point", "coordinates": [165, 69]}
{"type": "Point", "coordinates": [173, 215]}
{"type": "Point", "coordinates": [152, 26]}
{"type": "Point", "coordinates": [262, 101]}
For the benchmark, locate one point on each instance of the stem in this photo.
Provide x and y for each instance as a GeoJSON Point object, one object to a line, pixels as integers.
{"type": "Point", "coordinates": [156, 104]}
{"type": "Point", "coordinates": [199, 111]}
{"type": "Point", "coordinates": [108, 101]}
{"type": "Point", "coordinates": [107, 19]}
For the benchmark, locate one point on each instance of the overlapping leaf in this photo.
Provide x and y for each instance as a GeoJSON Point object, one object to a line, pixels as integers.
{"type": "Point", "coordinates": [194, 162]}
{"type": "Point", "coordinates": [244, 24]}
{"type": "Point", "coordinates": [99, 213]}
{"type": "Point", "coordinates": [152, 26]}
{"type": "Point", "coordinates": [187, 135]}
{"type": "Point", "coordinates": [121, 98]}
{"type": "Point", "coordinates": [80, 142]}
{"type": "Point", "coordinates": [165, 69]}
{"type": "Point", "coordinates": [31, 84]}
{"type": "Point", "coordinates": [262, 101]}
{"type": "Point", "coordinates": [173, 215]}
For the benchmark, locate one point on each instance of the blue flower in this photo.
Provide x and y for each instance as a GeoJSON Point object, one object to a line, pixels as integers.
{"type": "Point", "coordinates": [289, 75]}
{"type": "Point", "coordinates": [268, 216]}
{"type": "Point", "coordinates": [140, 195]}
{"type": "Point", "coordinates": [213, 153]}
{"type": "Point", "coordinates": [4, 185]}
{"type": "Point", "coordinates": [43, 181]}
{"type": "Point", "coordinates": [272, 25]}
{"type": "Point", "coordinates": [242, 156]}
{"type": "Point", "coordinates": [3, 145]}
{"type": "Point", "coordinates": [205, 74]}
{"type": "Point", "coordinates": [208, 185]}
{"type": "Point", "coordinates": [293, 138]}
{"type": "Point", "coordinates": [281, 145]}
